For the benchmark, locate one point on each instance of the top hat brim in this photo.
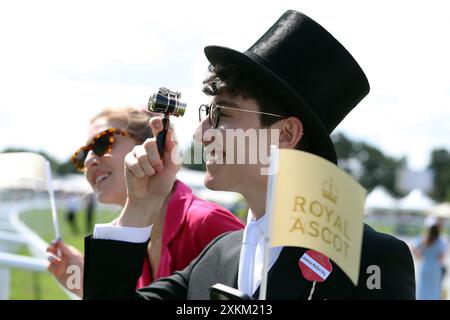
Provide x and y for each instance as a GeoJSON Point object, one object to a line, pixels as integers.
{"type": "Point", "coordinates": [318, 135]}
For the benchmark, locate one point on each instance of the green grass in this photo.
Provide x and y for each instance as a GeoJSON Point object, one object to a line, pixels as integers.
{"type": "Point", "coordinates": [27, 285]}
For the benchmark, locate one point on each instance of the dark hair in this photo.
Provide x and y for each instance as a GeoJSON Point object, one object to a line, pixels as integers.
{"type": "Point", "coordinates": [433, 235]}
{"type": "Point", "coordinates": [229, 79]}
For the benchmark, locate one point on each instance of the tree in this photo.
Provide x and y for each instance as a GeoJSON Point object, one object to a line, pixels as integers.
{"type": "Point", "coordinates": [66, 168]}
{"type": "Point", "coordinates": [57, 167]}
{"type": "Point", "coordinates": [440, 164]}
{"type": "Point", "coordinates": [366, 163]}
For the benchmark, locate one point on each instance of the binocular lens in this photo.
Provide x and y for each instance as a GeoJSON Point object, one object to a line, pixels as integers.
{"type": "Point", "coordinates": [168, 102]}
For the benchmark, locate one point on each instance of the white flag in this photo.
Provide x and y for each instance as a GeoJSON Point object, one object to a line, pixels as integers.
{"type": "Point", "coordinates": [26, 170]}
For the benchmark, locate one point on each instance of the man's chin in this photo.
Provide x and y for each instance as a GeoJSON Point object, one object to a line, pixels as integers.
{"type": "Point", "coordinates": [210, 181]}
{"type": "Point", "coordinates": [216, 183]}
{"type": "Point", "coordinates": [213, 181]}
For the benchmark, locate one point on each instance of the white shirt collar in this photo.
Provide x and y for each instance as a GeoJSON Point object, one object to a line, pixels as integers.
{"type": "Point", "coordinates": [252, 254]}
{"type": "Point", "coordinates": [259, 226]}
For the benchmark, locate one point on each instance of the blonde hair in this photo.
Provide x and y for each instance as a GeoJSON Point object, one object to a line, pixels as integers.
{"type": "Point", "coordinates": [134, 120]}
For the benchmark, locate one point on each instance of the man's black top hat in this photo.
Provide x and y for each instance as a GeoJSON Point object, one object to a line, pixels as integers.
{"type": "Point", "coordinates": [308, 70]}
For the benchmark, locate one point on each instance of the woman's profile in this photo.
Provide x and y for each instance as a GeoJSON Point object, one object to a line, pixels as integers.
{"type": "Point", "coordinates": [186, 223]}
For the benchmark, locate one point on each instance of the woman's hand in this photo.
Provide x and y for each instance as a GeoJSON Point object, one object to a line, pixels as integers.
{"type": "Point", "coordinates": [149, 178]}
{"type": "Point", "coordinates": [66, 261]}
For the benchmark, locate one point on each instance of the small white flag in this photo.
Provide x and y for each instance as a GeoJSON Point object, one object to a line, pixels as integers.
{"type": "Point", "coordinates": [26, 170]}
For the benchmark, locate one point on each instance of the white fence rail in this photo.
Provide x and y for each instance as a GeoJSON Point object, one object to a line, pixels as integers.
{"type": "Point", "coordinates": [13, 234]}
{"type": "Point", "coordinates": [10, 260]}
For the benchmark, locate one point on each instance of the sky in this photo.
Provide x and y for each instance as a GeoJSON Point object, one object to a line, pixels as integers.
{"type": "Point", "coordinates": [61, 62]}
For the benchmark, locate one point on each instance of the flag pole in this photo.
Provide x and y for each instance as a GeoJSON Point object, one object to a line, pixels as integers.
{"type": "Point", "coordinates": [273, 168]}
{"type": "Point", "coordinates": [51, 193]}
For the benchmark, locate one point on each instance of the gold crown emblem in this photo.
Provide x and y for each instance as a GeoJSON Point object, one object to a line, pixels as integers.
{"type": "Point", "coordinates": [329, 190]}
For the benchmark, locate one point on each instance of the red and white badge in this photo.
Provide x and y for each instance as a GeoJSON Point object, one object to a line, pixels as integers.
{"type": "Point", "coordinates": [315, 266]}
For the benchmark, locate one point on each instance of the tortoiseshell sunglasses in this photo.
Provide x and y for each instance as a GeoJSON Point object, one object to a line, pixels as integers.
{"type": "Point", "coordinates": [101, 144]}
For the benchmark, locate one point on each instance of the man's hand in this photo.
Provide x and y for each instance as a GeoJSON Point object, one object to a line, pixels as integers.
{"type": "Point", "coordinates": [149, 179]}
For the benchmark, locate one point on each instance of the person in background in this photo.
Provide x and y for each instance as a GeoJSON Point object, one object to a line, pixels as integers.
{"type": "Point", "coordinates": [431, 250]}
{"type": "Point", "coordinates": [72, 209]}
{"type": "Point", "coordinates": [185, 223]}
{"type": "Point", "coordinates": [90, 211]}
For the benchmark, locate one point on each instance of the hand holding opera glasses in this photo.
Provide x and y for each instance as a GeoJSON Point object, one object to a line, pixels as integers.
{"type": "Point", "coordinates": [168, 103]}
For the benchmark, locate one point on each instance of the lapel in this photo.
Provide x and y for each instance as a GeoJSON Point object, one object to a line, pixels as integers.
{"type": "Point", "coordinates": [286, 281]}
{"type": "Point", "coordinates": [231, 261]}
{"type": "Point", "coordinates": [336, 287]}
{"type": "Point", "coordinates": [218, 265]}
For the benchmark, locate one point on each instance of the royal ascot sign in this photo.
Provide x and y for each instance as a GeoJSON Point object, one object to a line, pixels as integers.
{"type": "Point", "coordinates": [316, 205]}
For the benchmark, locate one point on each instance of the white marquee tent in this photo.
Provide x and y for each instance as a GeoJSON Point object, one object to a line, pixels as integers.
{"type": "Point", "coordinates": [416, 200]}
{"type": "Point", "coordinates": [380, 198]}
{"type": "Point", "coordinates": [441, 210]}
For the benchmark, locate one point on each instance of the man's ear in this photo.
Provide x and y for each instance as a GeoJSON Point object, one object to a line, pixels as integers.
{"type": "Point", "coordinates": [291, 131]}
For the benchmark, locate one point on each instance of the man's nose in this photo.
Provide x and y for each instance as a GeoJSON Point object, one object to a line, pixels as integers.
{"type": "Point", "coordinates": [199, 131]}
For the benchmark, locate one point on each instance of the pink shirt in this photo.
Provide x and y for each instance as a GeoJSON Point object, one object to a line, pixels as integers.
{"type": "Point", "coordinates": [191, 223]}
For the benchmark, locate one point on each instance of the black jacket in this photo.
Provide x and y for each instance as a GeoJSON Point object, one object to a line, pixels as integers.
{"type": "Point", "coordinates": [113, 267]}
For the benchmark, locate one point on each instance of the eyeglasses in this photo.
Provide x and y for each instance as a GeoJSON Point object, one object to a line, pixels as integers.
{"type": "Point", "coordinates": [213, 112]}
{"type": "Point", "coordinates": [101, 144]}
